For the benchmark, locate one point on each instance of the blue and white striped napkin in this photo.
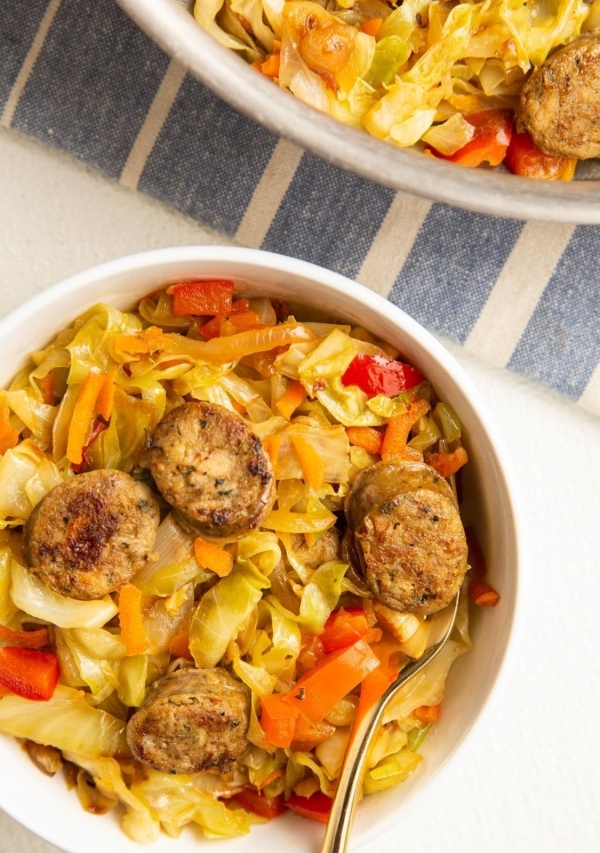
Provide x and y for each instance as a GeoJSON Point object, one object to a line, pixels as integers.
{"type": "Point", "coordinates": [81, 77]}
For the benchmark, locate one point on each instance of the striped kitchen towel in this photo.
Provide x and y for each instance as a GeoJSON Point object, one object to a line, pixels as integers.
{"type": "Point", "coordinates": [81, 77]}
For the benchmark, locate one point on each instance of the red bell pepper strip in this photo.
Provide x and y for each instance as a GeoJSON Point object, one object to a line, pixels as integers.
{"type": "Point", "coordinates": [319, 690]}
{"type": "Point", "coordinates": [257, 803]}
{"type": "Point", "coordinates": [378, 374]}
{"type": "Point", "coordinates": [525, 159]}
{"type": "Point", "coordinates": [344, 627]}
{"type": "Point", "coordinates": [493, 130]}
{"type": "Point", "coordinates": [29, 673]}
{"type": "Point", "coordinates": [36, 639]}
{"type": "Point", "coordinates": [315, 807]}
{"type": "Point", "coordinates": [201, 298]}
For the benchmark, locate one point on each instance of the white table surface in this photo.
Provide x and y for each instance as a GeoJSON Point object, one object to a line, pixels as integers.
{"type": "Point", "coordinates": [528, 779]}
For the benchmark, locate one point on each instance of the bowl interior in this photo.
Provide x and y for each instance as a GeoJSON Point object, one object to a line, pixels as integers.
{"type": "Point", "coordinates": [57, 815]}
{"type": "Point", "coordinates": [171, 25]}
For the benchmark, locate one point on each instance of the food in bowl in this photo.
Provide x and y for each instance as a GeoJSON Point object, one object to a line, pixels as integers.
{"type": "Point", "coordinates": [215, 676]}
{"type": "Point", "coordinates": [450, 78]}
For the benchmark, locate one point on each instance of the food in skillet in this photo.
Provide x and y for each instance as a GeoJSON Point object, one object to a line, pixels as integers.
{"type": "Point", "coordinates": [227, 524]}
{"type": "Point", "coordinates": [449, 78]}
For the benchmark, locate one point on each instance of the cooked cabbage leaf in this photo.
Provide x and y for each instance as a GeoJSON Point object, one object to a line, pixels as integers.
{"type": "Point", "coordinates": [34, 598]}
{"type": "Point", "coordinates": [66, 721]}
{"type": "Point", "coordinates": [223, 611]}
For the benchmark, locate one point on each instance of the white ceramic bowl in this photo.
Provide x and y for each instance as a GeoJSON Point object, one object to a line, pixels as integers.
{"type": "Point", "coordinates": [172, 26]}
{"type": "Point", "coordinates": [44, 805]}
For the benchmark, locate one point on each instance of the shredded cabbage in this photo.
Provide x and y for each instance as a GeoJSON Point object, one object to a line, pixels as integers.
{"type": "Point", "coordinates": [34, 598]}
{"type": "Point", "coordinates": [263, 621]}
{"type": "Point", "coordinates": [66, 721]}
{"type": "Point", "coordinates": [428, 60]}
{"type": "Point", "coordinates": [223, 611]}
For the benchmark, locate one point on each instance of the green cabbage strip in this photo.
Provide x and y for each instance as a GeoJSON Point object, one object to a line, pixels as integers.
{"type": "Point", "coordinates": [33, 597]}
{"type": "Point", "coordinates": [66, 721]}
{"type": "Point", "coordinates": [26, 476]}
{"type": "Point", "coordinates": [223, 611]}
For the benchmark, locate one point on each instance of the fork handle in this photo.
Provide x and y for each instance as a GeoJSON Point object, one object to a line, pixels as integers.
{"type": "Point", "coordinates": [345, 799]}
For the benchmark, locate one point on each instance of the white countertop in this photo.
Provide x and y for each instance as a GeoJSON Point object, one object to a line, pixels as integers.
{"type": "Point", "coordinates": [527, 779]}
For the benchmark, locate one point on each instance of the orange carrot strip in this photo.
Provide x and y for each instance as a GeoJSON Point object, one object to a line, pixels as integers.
{"type": "Point", "coordinates": [217, 325]}
{"type": "Point", "coordinates": [427, 713]}
{"type": "Point", "coordinates": [154, 336]}
{"type": "Point", "coordinates": [395, 438]}
{"type": "Point", "coordinates": [277, 719]}
{"type": "Point", "coordinates": [482, 594]}
{"type": "Point", "coordinates": [293, 396]}
{"type": "Point", "coordinates": [83, 414]}
{"type": "Point", "coordinates": [9, 436]}
{"type": "Point", "coordinates": [369, 438]}
{"type": "Point", "coordinates": [47, 389]}
{"type": "Point", "coordinates": [377, 682]}
{"type": "Point", "coordinates": [270, 67]}
{"type": "Point", "coordinates": [246, 320]}
{"type": "Point", "coordinates": [179, 646]}
{"type": "Point", "coordinates": [131, 621]}
{"type": "Point", "coordinates": [372, 26]}
{"type": "Point", "coordinates": [447, 464]}
{"type": "Point", "coordinates": [140, 343]}
{"type": "Point", "coordinates": [242, 322]}
{"type": "Point", "coordinates": [311, 462]}
{"type": "Point", "coordinates": [213, 557]}
{"type": "Point", "coordinates": [321, 688]}
{"type": "Point", "coordinates": [272, 443]}
{"type": "Point", "coordinates": [106, 397]}
{"type": "Point", "coordinates": [274, 774]}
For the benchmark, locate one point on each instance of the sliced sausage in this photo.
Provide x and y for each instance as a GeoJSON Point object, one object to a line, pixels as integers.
{"type": "Point", "coordinates": [560, 102]}
{"type": "Point", "coordinates": [385, 481]}
{"type": "Point", "coordinates": [191, 720]}
{"type": "Point", "coordinates": [91, 533]}
{"type": "Point", "coordinates": [406, 537]}
{"type": "Point", "coordinates": [212, 468]}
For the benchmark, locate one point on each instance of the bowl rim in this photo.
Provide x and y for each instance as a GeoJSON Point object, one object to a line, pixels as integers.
{"type": "Point", "coordinates": [170, 24]}
{"type": "Point", "coordinates": [155, 262]}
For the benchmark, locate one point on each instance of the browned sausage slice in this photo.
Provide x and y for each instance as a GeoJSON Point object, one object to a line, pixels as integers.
{"type": "Point", "coordinates": [560, 102]}
{"type": "Point", "coordinates": [191, 720]}
{"type": "Point", "coordinates": [212, 468]}
{"type": "Point", "coordinates": [91, 533]}
{"type": "Point", "coordinates": [405, 537]}
{"type": "Point", "coordinates": [413, 551]}
{"type": "Point", "coordinates": [385, 481]}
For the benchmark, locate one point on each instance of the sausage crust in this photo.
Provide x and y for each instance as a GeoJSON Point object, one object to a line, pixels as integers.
{"type": "Point", "coordinates": [191, 720]}
{"type": "Point", "coordinates": [91, 533]}
{"type": "Point", "coordinates": [212, 468]}
{"type": "Point", "coordinates": [560, 102]}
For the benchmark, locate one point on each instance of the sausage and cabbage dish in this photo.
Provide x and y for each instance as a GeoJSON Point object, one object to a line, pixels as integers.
{"type": "Point", "coordinates": [475, 82]}
{"type": "Point", "coordinates": [226, 525]}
